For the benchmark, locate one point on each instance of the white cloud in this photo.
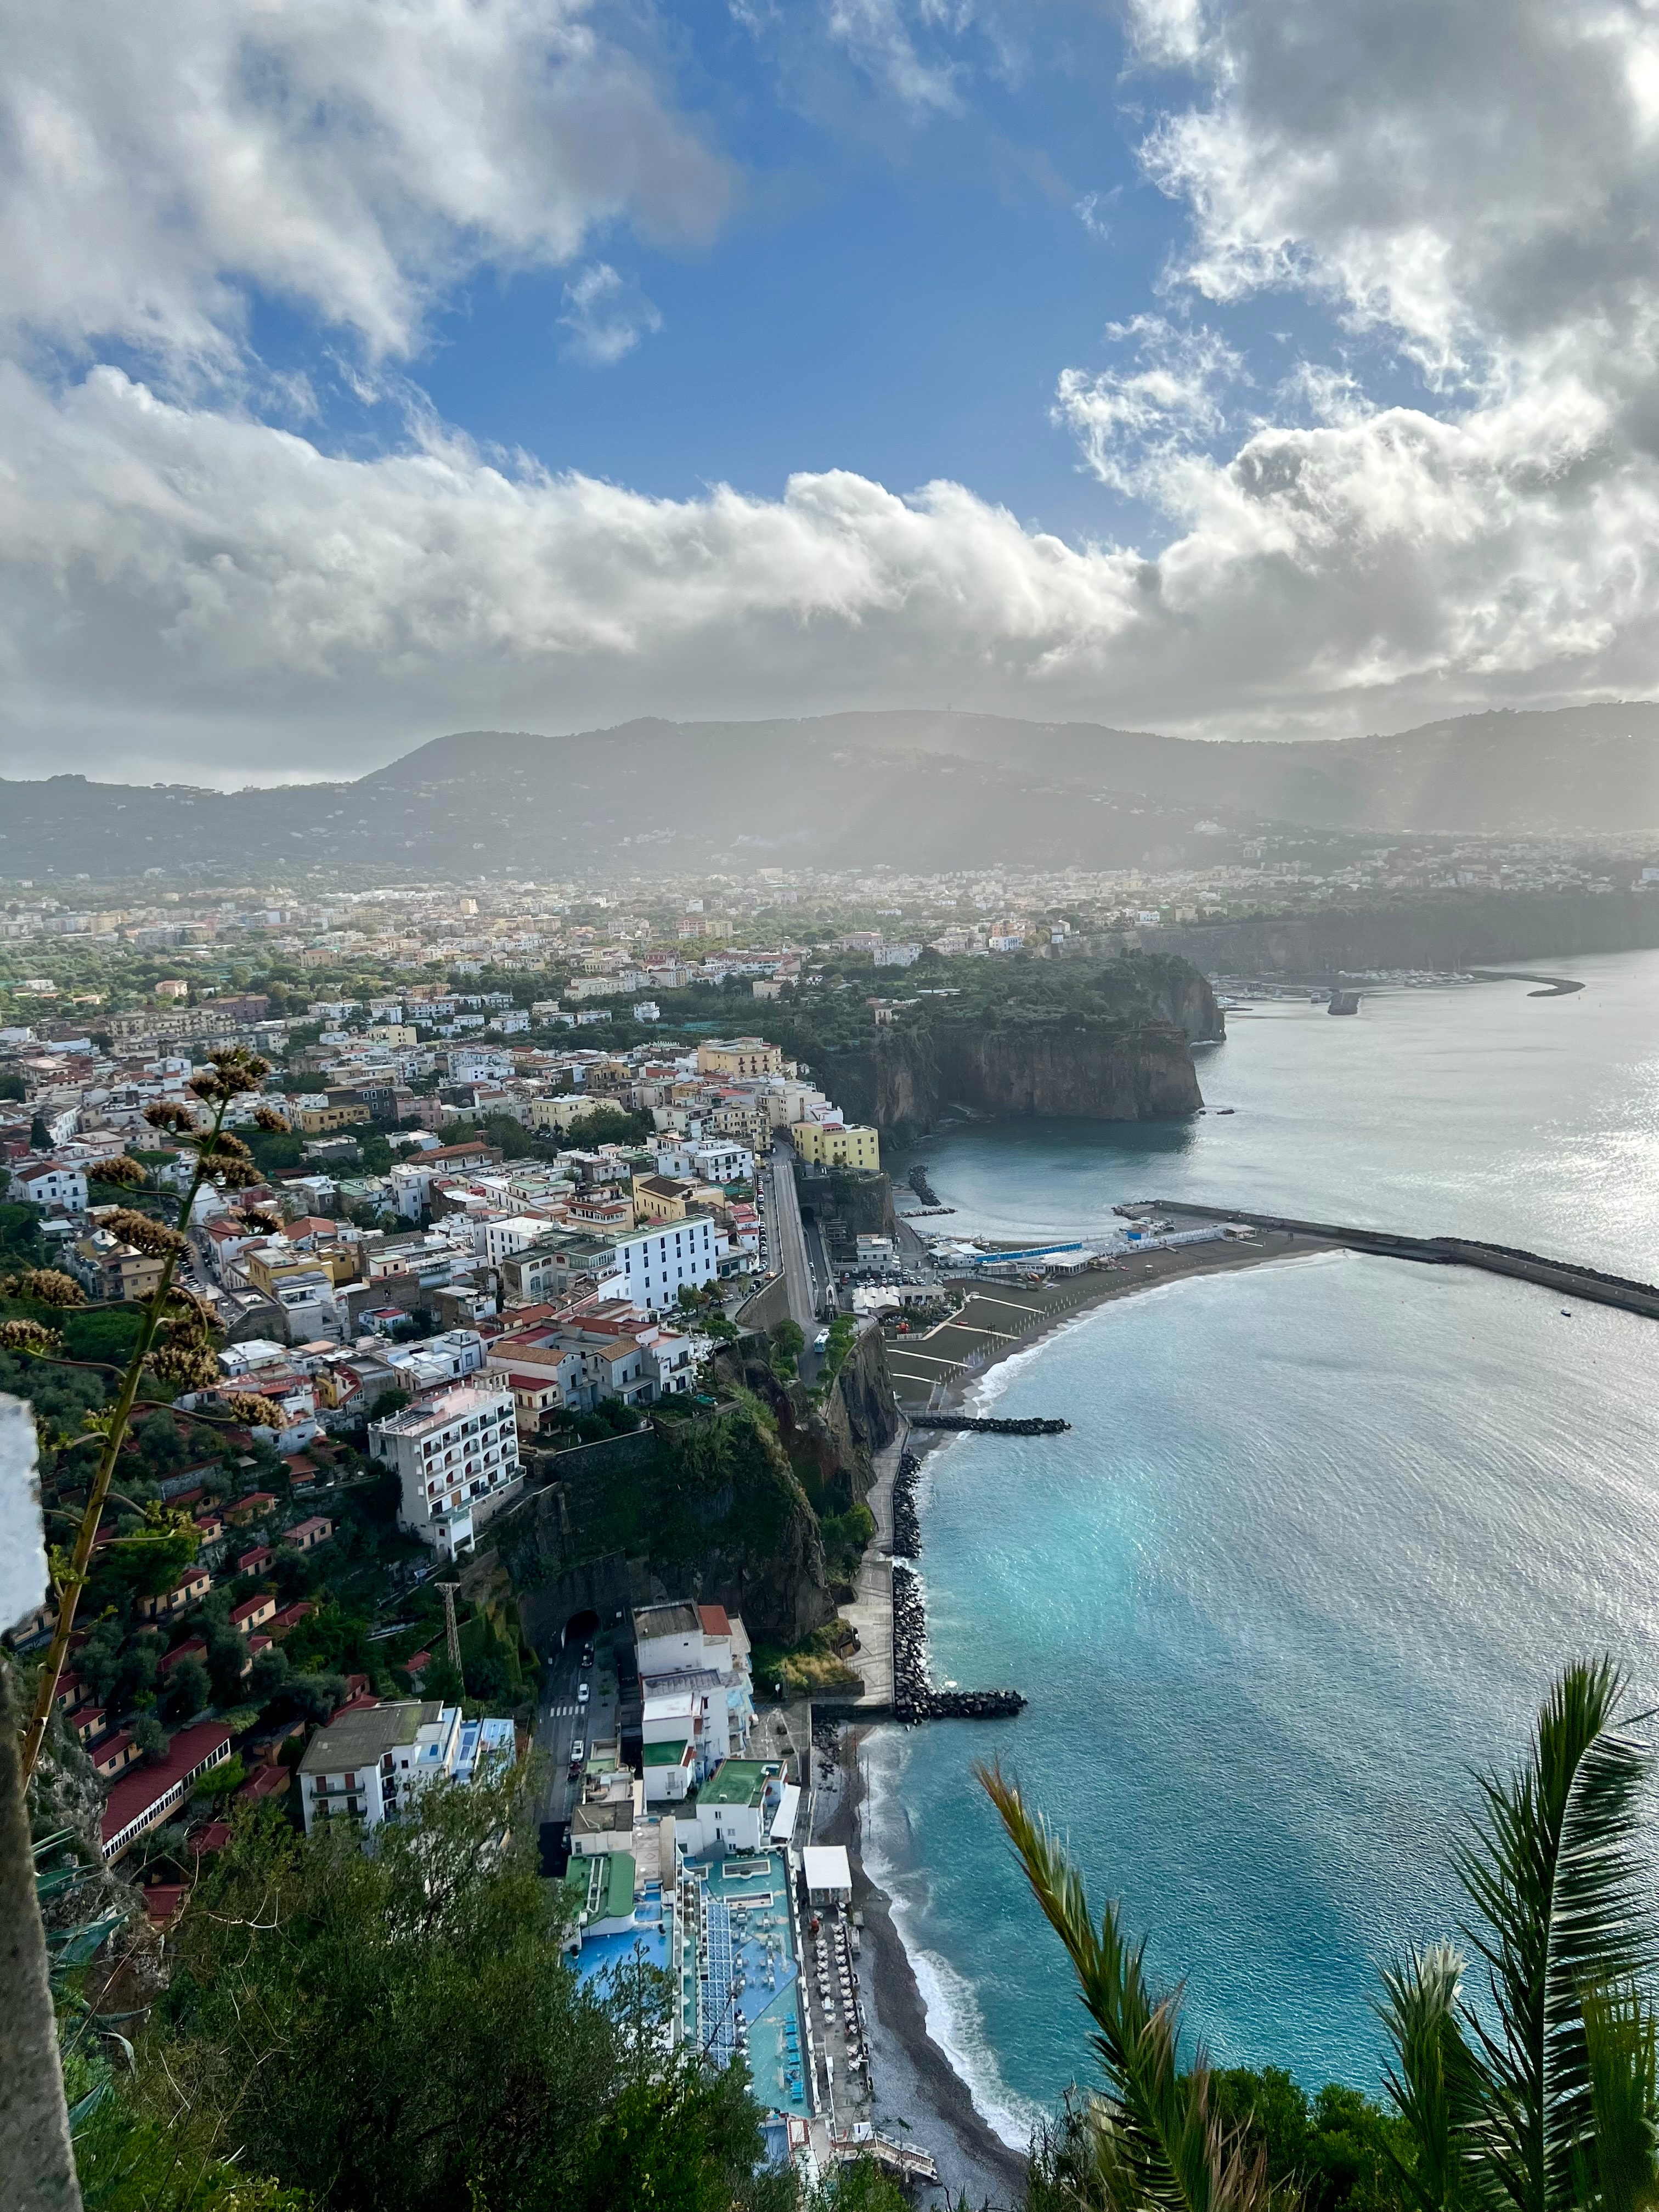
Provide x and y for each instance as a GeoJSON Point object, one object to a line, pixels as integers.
{"type": "Point", "coordinates": [172, 569]}
{"type": "Point", "coordinates": [1482, 205]}
{"type": "Point", "coordinates": [606, 315]}
{"type": "Point", "coordinates": [1132, 424]}
{"type": "Point", "coordinates": [353, 157]}
{"type": "Point", "coordinates": [878, 40]}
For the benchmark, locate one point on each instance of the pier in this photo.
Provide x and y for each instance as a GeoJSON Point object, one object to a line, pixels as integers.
{"type": "Point", "coordinates": [1564, 1276]}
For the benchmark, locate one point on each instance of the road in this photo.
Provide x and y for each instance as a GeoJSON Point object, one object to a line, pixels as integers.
{"type": "Point", "coordinates": [561, 1718]}
{"type": "Point", "coordinates": [788, 1239]}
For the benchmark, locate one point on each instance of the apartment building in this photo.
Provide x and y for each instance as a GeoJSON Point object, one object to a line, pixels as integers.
{"type": "Point", "coordinates": [739, 1057]}
{"type": "Point", "coordinates": [107, 1270]}
{"type": "Point", "coordinates": [831, 1144]}
{"type": "Point", "coordinates": [371, 1764]}
{"type": "Point", "coordinates": [455, 1455]}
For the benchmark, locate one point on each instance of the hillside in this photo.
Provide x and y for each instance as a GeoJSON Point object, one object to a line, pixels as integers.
{"type": "Point", "coordinates": [917, 789]}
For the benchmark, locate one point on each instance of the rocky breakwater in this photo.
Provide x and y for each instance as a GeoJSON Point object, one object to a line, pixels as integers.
{"type": "Point", "coordinates": [990, 1425]}
{"type": "Point", "coordinates": [907, 1522]}
{"type": "Point", "coordinates": [915, 1697]}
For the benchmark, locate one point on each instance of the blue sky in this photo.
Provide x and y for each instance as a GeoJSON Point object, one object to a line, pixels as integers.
{"type": "Point", "coordinates": [373, 368]}
{"type": "Point", "coordinates": [895, 290]}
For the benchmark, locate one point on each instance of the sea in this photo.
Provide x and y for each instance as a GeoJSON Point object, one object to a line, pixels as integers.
{"type": "Point", "coordinates": [1319, 1534]}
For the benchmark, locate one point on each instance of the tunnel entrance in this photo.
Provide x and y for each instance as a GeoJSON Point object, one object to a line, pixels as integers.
{"type": "Point", "coordinates": [579, 1628]}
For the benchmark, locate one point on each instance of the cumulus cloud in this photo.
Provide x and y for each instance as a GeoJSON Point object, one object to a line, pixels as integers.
{"type": "Point", "coordinates": [1132, 424]}
{"type": "Point", "coordinates": [161, 558]}
{"type": "Point", "coordinates": [1479, 207]}
{"type": "Point", "coordinates": [606, 315]}
{"type": "Point", "coordinates": [353, 157]}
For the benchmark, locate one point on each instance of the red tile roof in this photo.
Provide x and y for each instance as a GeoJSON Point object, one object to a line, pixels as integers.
{"type": "Point", "coordinates": [143, 1790]}
{"type": "Point", "coordinates": [265, 1782]}
{"type": "Point", "coordinates": [717, 1621]}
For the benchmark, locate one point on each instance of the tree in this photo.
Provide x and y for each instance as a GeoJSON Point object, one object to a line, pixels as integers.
{"type": "Point", "coordinates": [12, 1086]}
{"type": "Point", "coordinates": [39, 1135]}
{"type": "Point", "coordinates": [1546, 2099]}
{"type": "Point", "coordinates": [315, 1697]}
{"type": "Point", "coordinates": [160, 1447]}
{"type": "Point", "coordinates": [188, 1689]}
{"type": "Point", "coordinates": [150, 1737]}
{"type": "Point", "coordinates": [313, 1981]}
{"type": "Point", "coordinates": [268, 1676]}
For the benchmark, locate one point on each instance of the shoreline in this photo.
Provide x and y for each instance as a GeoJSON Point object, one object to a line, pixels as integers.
{"type": "Point", "coordinates": [1267, 1248]}
{"type": "Point", "coordinates": [911, 2069]}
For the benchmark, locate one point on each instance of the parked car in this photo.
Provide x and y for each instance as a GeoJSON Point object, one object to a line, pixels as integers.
{"type": "Point", "coordinates": [578, 1756]}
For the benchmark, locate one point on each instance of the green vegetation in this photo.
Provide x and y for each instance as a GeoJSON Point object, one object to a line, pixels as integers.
{"type": "Point", "coordinates": [401, 2031]}
{"type": "Point", "coordinates": [788, 1342]}
{"type": "Point", "coordinates": [814, 1666]}
{"type": "Point", "coordinates": [1544, 2097]}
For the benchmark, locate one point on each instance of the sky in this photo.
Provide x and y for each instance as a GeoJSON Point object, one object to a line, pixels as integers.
{"type": "Point", "coordinates": [375, 368]}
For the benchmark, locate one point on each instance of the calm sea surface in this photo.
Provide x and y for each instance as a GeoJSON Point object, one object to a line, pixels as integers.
{"type": "Point", "coordinates": [1317, 1537]}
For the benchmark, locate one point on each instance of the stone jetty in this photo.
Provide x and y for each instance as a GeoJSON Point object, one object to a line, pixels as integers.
{"type": "Point", "coordinates": [915, 1697]}
{"type": "Point", "coordinates": [987, 1425]}
{"type": "Point", "coordinates": [907, 1524]}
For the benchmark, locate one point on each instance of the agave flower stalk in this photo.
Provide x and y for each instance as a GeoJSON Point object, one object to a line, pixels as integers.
{"type": "Point", "coordinates": [224, 1161]}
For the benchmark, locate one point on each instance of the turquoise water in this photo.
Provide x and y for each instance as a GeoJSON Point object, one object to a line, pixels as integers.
{"type": "Point", "coordinates": [1316, 1539]}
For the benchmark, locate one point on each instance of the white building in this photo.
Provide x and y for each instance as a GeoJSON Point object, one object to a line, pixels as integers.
{"type": "Point", "coordinates": [720, 1162]}
{"type": "Point", "coordinates": [50, 1183]}
{"type": "Point", "coordinates": [369, 1765]}
{"type": "Point", "coordinates": [456, 1456]}
{"type": "Point", "coordinates": [695, 1681]}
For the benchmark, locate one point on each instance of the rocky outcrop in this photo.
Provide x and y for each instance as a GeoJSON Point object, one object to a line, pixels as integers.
{"type": "Point", "coordinates": [1097, 1075]}
{"type": "Point", "coordinates": [1472, 929]}
{"type": "Point", "coordinates": [1181, 995]}
{"type": "Point", "coordinates": [1109, 1041]}
{"type": "Point", "coordinates": [717, 1511]}
{"type": "Point", "coordinates": [859, 1415]}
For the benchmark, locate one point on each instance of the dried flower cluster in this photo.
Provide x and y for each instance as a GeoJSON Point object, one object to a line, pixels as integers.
{"type": "Point", "coordinates": [268, 1119]}
{"type": "Point", "coordinates": [253, 1412]}
{"type": "Point", "coordinates": [46, 1286]}
{"type": "Point", "coordinates": [185, 1358]}
{"type": "Point", "coordinates": [28, 1336]}
{"type": "Point", "coordinates": [258, 1217]}
{"type": "Point", "coordinates": [229, 1074]}
{"type": "Point", "coordinates": [165, 1114]}
{"type": "Point", "coordinates": [144, 1234]}
{"type": "Point", "coordinates": [129, 1174]}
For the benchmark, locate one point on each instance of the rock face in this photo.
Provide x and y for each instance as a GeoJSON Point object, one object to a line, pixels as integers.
{"type": "Point", "coordinates": [1111, 1043]}
{"type": "Point", "coordinates": [1091, 1074]}
{"type": "Point", "coordinates": [717, 1509]}
{"type": "Point", "coordinates": [909, 1077]}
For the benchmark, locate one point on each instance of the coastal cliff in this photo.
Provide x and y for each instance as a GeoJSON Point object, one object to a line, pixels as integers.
{"type": "Point", "coordinates": [732, 1507]}
{"type": "Point", "coordinates": [1108, 1040]}
{"type": "Point", "coordinates": [1468, 929]}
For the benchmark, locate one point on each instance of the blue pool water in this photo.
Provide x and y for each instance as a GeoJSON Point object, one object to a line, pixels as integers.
{"type": "Point", "coordinates": [1316, 1539]}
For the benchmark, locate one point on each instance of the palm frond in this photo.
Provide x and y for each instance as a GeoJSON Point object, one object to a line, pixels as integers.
{"type": "Point", "coordinates": [1154, 2141]}
{"type": "Point", "coordinates": [1618, 2171]}
{"type": "Point", "coordinates": [1437, 2082]}
{"type": "Point", "coordinates": [1559, 1888]}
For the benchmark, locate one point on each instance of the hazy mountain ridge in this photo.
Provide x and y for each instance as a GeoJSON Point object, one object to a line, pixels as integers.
{"type": "Point", "coordinates": [924, 789]}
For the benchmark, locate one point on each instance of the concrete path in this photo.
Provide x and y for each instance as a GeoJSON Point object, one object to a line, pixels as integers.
{"type": "Point", "coordinates": [870, 1611]}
